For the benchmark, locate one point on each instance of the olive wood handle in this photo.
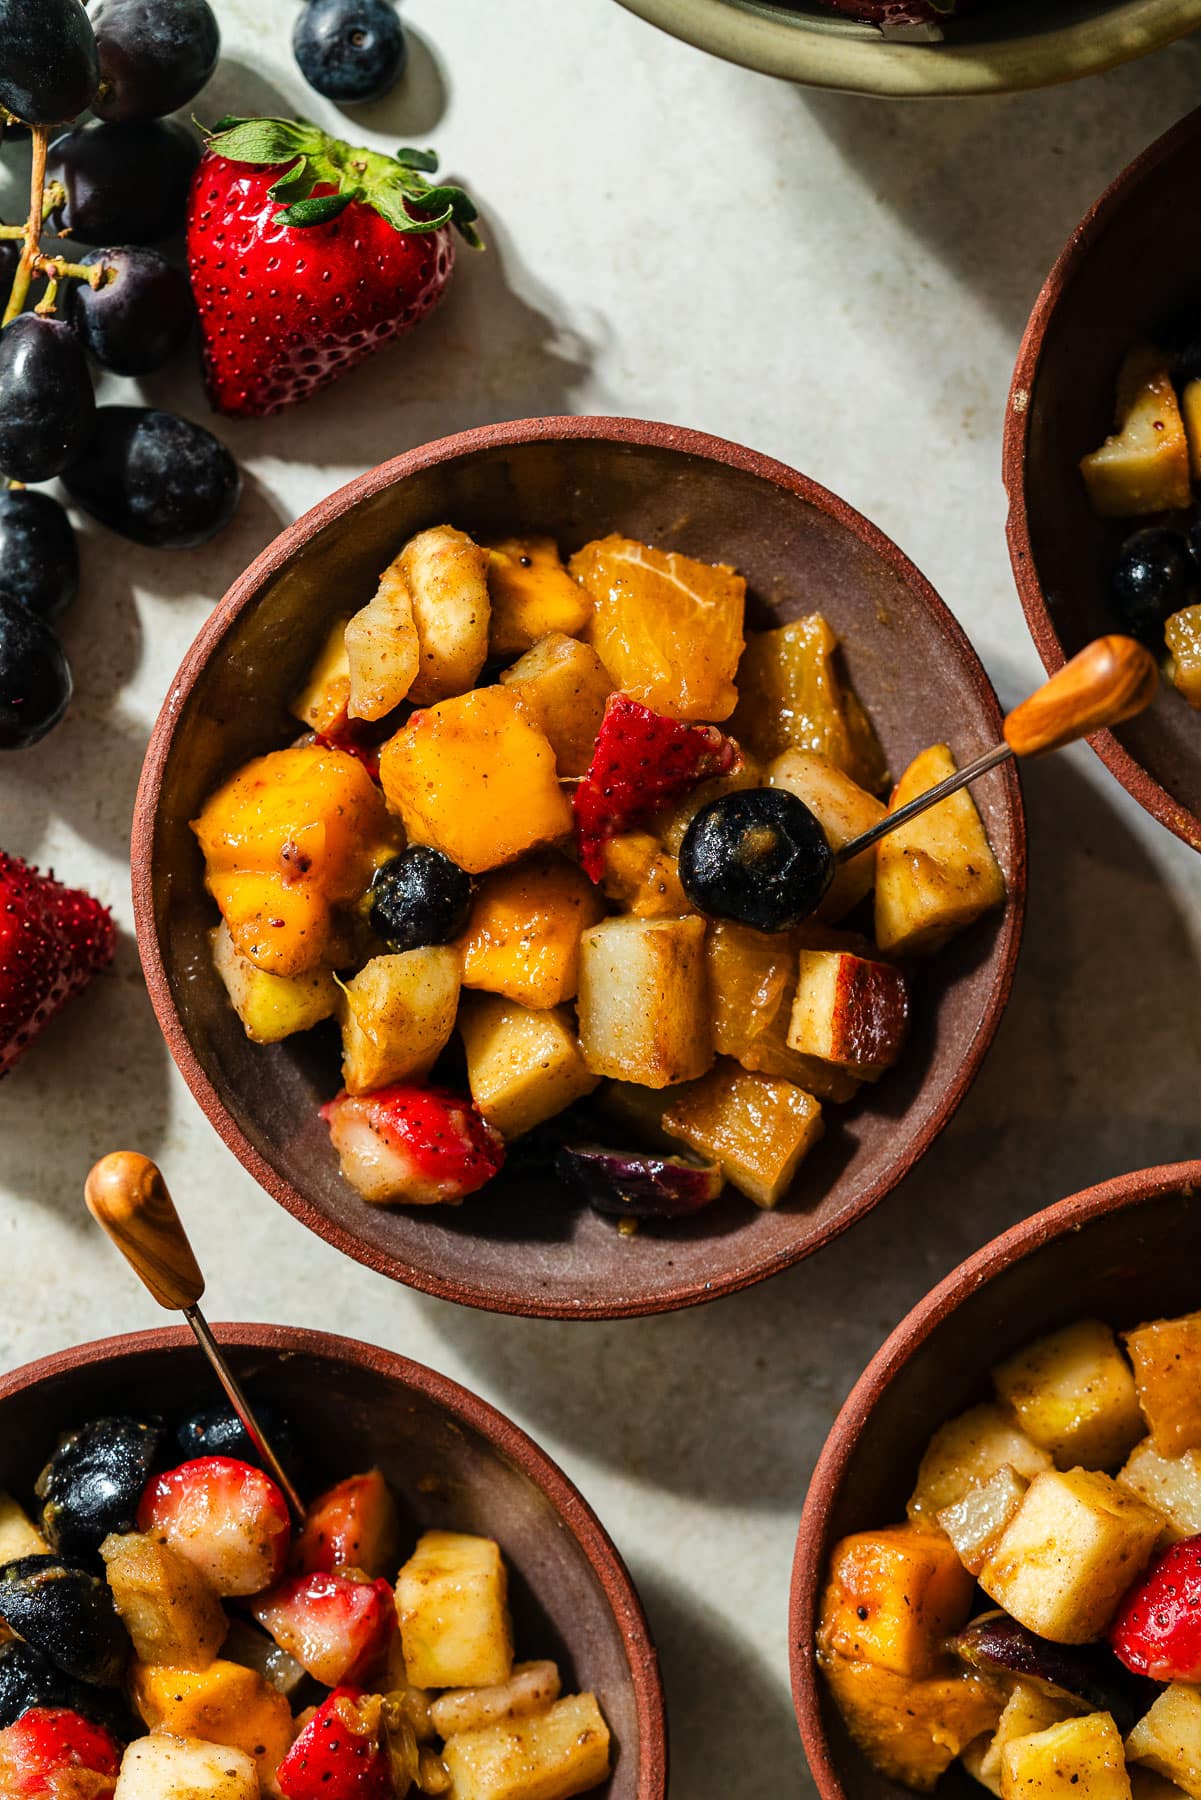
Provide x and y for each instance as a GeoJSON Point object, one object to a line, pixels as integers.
{"type": "Point", "coordinates": [126, 1194]}
{"type": "Point", "coordinates": [1110, 680]}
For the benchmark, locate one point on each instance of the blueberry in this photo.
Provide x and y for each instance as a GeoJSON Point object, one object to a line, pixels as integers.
{"type": "Point", "coordinates": [158, 479]}
{"type": "Point", "coordinates": [125, 184]}
{"type": "Point", "coordinates": [218, 1431]}
{"type": "Point", "coordinates": [155, 55]}
{"type": "Point", "coordinates": [50, 68]}
{"type": "Point", "coordinates": [1151, 577]}
{"type": "Point", "coordinates": [350, 50]}
{"type": "Point", "coordinates": [139, 316]}
{"type": "Point", "coordinates": [419, 897]}
{"type": "Point", "coordinates": [68, 1614]}
{"type": "Point", "coordinates": [46, 403]}
{"type": "Point", "coordinates": [758, 856]}
{"type": "Point", "coordinates": [35, 680]}
{"type": "Point", "coordinates": [39, 562]}
{"type": "Point", "coordinates": [94, 1481]}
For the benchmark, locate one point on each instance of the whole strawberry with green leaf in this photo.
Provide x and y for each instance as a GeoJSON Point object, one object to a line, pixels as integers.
{"type": "Point", "coordinates": [307, 254]}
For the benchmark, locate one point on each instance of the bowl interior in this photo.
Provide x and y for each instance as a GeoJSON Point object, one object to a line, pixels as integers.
{"type": "Point", "coordinates": [353, 1408]}
{"type": "Point", "coordinates": [1134, 1262]}
{"type": "Point", "coordinates": [524, 1245]}
{"type": "Point", "coordinates": [1125, 273]}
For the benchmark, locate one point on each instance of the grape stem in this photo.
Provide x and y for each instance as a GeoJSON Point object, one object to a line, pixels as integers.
{"type": "Point", "coordinates": [33, 226]}
{"type": "Point", "coordinates": [43, 199]}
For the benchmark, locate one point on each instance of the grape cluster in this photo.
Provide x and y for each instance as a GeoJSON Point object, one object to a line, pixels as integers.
{"type": "Point", "coordinates": [117, 184]}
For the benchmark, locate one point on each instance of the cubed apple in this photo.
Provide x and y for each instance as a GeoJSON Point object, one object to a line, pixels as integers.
{"type": "Point", "coordinates": [1166, 1355]}
{"type": "Point", "coordinates": [19, 1536]}
{"type": "Point", "coordinates": [532, 594]}
{"type": "Point", "coordinates": [162, 1767]}
{"type": "Point", "coordinates": [1026, 1711]}
{"type": "Point", "coordinates": [643, 1008]}
{"type": "Point", "coordinates": [382, 647]}
{"type": "Point", "coordinates": [849, 1011]}
{"type": "Point", "coordinates": [551, 1756]}
{"type": "Point", "coordinates": [397, 1016]}
{"type": "Point", "coordinates": [447, 576]}
{"type": "Point", "coordinates": [843, 809]}
{"type": "Point", "coordinates": [1167, 1739]}
{"type": "Point", "coordinates": [1073, 1393]}
{"type": "Point", "coordinates": [523, 936]}
{"type": "Point", "coordinates": [1171, 1484]}
{"type": "Point", "coordinates": [523, 1064]}
{"type": "Point", "coordinates": [976, 1523]}
{"type": "Point", "coordinates": [271, 1007]}
{"type": "Point", "coordinates": [1078, 1759]}
{"type": "Point", "coordinates": [937, 874]}
{"type": "Point", "coordinates": [452, 1601]}
{"type": "Point", "coordinates": [967, 1451]}
{"type": "Point", "coordinates": [758, 1129]}
{"type": "Point", "coordinates": [1144, 466]}
{"type": "Point", "coordinates": [564, 685]}
{"type": "Point", "coordinates": [170, 1611]}
{"type": "Point", "coordinates": [893, 1596]}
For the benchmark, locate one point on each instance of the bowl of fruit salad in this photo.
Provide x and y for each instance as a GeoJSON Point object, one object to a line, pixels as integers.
{"type": "Point", "coordinates": [1102, 457]}
{"type": "Point", "coordinates": [464, 854]}
{"type": "Point", "coordinates": [998, 1569]}
{"type": "Point", "coordinates": [448, 1617]}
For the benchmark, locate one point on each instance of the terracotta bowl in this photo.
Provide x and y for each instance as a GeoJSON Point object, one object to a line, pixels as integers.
{"type": "Point", "coordinates": [1127, 1250]}
{"type": "Point", "coordinates": [524, 1246]}
{"type": "Point", "coordinates": [453, 1462]}
{"type": "Point", "coordinates": [1127, 267]}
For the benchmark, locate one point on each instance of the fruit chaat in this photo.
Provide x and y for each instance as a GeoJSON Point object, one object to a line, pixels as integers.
{"type": "Point", "coordinates": [169, 1635]}
{"type": "Point", "coordinates": [538, 854]}
{"type": "Point", "coordinates": [1038, 1613]}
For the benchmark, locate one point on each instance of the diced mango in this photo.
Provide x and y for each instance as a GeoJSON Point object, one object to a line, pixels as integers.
{"type": "Point", "coordinates": [452, 1601]}
{"type": "Point", "coordinates": [523, 1066]}
{"type": "Point", "coordinates": [223, 1704]}
{"type": "Point", "coordinates": [1073, 1393]}
{"type": "Point", "coordinates": [938, 874]}
{"type": "Point", "coordinates": [792, 696]}
{"type": "Point", "coordinates": [642, 878]}
{"type": "Point", "coordinates": [893, 1596]}
{"type": "Point", "coordinates": [532, 594]}
{"type": "Point", "coordinates": [563, 685]}
{"type": "Point", "coordinates": [758, 1129]}
{"type": "Point", "coordinates": [523, 936]}
{"type": "Point", "coordinates": [1166, 1356]}
{"type": "Point", "coordinates": [910, 1728]}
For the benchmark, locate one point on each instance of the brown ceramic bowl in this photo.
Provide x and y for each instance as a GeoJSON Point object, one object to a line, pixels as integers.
{"type": "Point", "coordinates": [523, 1245]}
{"type": "Point", "coordinates": [1127, 1250]}
{"type": "Point", "coordinates": [1129, 265]}
{"type": "Point", "coordinates": [453, 1462]}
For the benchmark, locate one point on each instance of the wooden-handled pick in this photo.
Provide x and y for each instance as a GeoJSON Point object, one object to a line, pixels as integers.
{"type": "Point", "coordinates": [127, 1196]}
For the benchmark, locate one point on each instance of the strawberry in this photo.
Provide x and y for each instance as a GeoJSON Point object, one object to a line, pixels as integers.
{"type": "Point", "coordinates": [337, 1626]}
{"type": "Point", "coordinates": [412, 1143]}
{"type": "Point", "coordinates": [341, 1754]}
{"type": "Point", "coordinates": [307, 254]}
{"type": "Point", "coordinates": [352, 1526]}
{"type": "Point", "coordinates": [51, 1753]}
{"type": "Point", "coordinates": [642, 761]}
{"type": "Point", "coordinates": [226, 1517]}
{"type": "Point", "coordinates": [1157, 1630]}
{"type": "Point", "coordinates": [53, 939]}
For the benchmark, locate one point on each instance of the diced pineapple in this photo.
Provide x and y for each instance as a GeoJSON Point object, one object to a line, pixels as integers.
{"type": "Point", "coordinates": [322, 702]}
{"type": "Point", "coordinates": [452, 1601]}
{"type": "Point", "coordinates": [1167, 1739]}
{"type": "Point", "coordinates": [532, 595]}
{"type": "Point", "coordinates": [1166, 1355]}
{"type": "Point", "coordinates": [19, 1536]}
{"type": "Point", "coordinates": [523, 1066]}
{"type": "Point", "coordinates": [447, 576]}
{"type": "Point", "coordinates": [1144, 466]}
{"type": "Point", "coordinates": [792, 696]}
{"type": "Point", "coordinates": [670, 825]}
{"type": "Point", "coordinates": [751, 978]}
{"type": "Point", "coordinates": [382, 647]}
{"type": "Point", "coordinates": [1027, 1710]}
{"type": "Point", "coordinates": [551, 1756]}
{"type": "Point", "coordinates": [1171, 1484]}
{"type": "Point", "coordinates": [271, 1007]}
{"type": "Point", "coordinates": [849, 1011]}
{"type": "Point", "coordinates": [1073, 1547]}
{"type": "Point", "coordinates": [843, 809]}
{"type": "Point", "coordinates": [523, 937]}
{"type": "Point", "coordinates": [976, 1523]}
{"type": "Point", "coordinates": [893, 1596]}
{"type": "Point", "coordinates": [162, 1767]}
{"type": "Point", "coordinates": [563, 685]}
{"type": "Point", "coordinates": [171, 1613]}
{"type": "Point", "coordinates": [223, 1704]}
{"type": "Point", "coordinates": [397, 1016]}
{"type": "Point", "coordinates": [642, 1004]}
{"type": "Point", "coordinates": [1182, 635]}
{"type": "Point", "coordinates": [966, 1452]}
{"type": "Point", "coordinates": [667, 628]}
{"type": "Point", "coordinates": [1078, 1759]}
{"type": "Point", "coordinates": [769, 1054]}
{"type": "Point", "coordinates": [1073, 1393]}
{"type": "Point", "coordinates": [532, 1688]}
{"type": "Point", "coordinates": [642, 878]}
{"type": "Point", "coordinates": [758, 1129]}
{"type": "Point", "coordinates": [476, 778]}
{"type": "Point", "coordinates": [937, 874]}
{"type": "Point", "coordinates": [911, 1729]}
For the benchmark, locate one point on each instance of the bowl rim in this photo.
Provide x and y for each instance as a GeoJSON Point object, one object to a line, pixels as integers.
{"type": "Point", "coordinates": [828, 56]}
{"type": "Point", "coordinates": [466, 1409]}
{"type": "Point", "coordinates": [1134, 777]}
{"type": "Point", "coordinates": [243, 594]}
{"type": "Point", "coordinates": [1117, 1194]}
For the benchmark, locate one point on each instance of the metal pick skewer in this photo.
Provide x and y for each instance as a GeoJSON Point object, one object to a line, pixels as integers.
{"type": "Point", "coordinates": [128, 1198]}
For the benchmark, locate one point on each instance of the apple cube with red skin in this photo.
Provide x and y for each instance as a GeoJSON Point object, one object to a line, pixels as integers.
{"type": "Point", "coordinates": [229, 1519]}
{"type": "Point", "coordinates": [335, 1625]}
{"type": "Point", "coordinates": [340, 1753]}
{"type": "Point", "coordinates": [849, 1011]}
{"type": "Point", "coordinates": [351, 1526]}
{"type": "Point", "coordinates": [47, 1747]}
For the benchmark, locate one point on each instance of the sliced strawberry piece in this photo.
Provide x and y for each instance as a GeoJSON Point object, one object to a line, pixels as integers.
{"type": "Point", "coordinates": [226, 1517]}
{"type": "Point", "coordinates": [337, 1626]}
{"type": "Point", "coordinates": [53, 939]}
{"type": "Point", "coordinates": [416, 1144]}
{"type": "Point", "coordinates": [642, 761]}
{"type": "Point", "coordinates": [1157, 1630]}
{"type": "Point", "coordinates": [340, 1754]}
{"type": "Point", "coordinates": [352, 1526]}
{"type": "Point", "coordinates": [51, 1753]}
